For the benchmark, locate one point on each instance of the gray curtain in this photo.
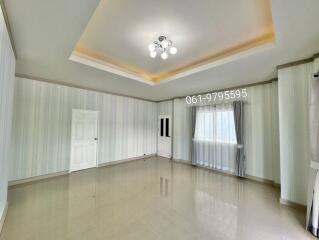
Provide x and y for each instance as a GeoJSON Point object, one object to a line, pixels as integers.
{"type": "Point", "coordinates": [214, 142]}
{"type": "Point", "coordinates": [313, 222]}
{"type": "Point", "coordinates": [239, 127]}
{"type": "Point", "coordinates": [193, 134]}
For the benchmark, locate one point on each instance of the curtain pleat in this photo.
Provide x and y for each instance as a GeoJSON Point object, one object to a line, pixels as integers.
{"type": "Point", "coordinates": [214, 137]}
{"type": "Point", "coordinates": [239, 123]}
{"type": "Point", "coordinates": [193, 150]}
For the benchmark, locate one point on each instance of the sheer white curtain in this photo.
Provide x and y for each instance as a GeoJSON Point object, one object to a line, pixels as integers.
{"type": "Point", "coordinates": [214, 142]}
{"type": "Point", "coordinates": [313, 220]}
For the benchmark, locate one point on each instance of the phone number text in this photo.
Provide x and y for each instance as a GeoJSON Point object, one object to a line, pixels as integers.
{"type": "Point", "coordinates": [217, 96]}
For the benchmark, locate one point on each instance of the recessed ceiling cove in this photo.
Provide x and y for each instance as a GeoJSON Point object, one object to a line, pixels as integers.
{"type": "Point", "coordinates": [207, 33]}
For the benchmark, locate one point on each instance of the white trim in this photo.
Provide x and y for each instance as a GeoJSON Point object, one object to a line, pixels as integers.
{"type": "Point", "coordinates": [219, 62]}
{"type": "Point", "coordinates": [36, 178]}
{"type": "Point", "coordinates": [14, 183]}
{"type": "Point", "coordinates": [164, 116]}
{"type": "Point", "coordinates": [126, 160]}
{"type": "Point", "coordinates": [102, 65]}
{"type": "Point", "coordinates": [182, 161]}
{"type": "Point", "coordinates": [97, 142]}
{"type": "Point", "coordinates": [92, 62]}
{"type": "Point", "coordinates": [292, 204]}
{"type": "Point", "coordinates": [3, 216]}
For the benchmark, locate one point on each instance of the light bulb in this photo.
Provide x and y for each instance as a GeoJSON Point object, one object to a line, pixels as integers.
{"type": "Point", "coordinates": [153, 54]}
{"type": "Point", "coordinates": [151, 47]}
{"type": "Point", "coordinates": [164, 43]}
{"type": "Point", "coordinates": [164, 55]}
{"type": "Point", "coordinates": [173, 50]}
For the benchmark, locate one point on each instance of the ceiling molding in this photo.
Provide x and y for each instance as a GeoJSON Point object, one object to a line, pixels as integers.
{"type": "Point", "coordinates": [96, 61]}
{"type": "Point", "coordinates": [245, 50]}
{"type": "Point", "coordinates": [242, 50]}
{"type": "Point", "coordinates": [138, 98]}
{"type": "Point", "coordinates": [77, 86]}
{"type": "Point", "coordinates": [295, 63]}
{"type": "Point", "coordinates": [298, 62]}
{"type": "Point", "coordinates": [6, 20]}
{"type": "Point", "coordinates": [100, 45]}
{"type": "Point", "coordinates": [225, 89]}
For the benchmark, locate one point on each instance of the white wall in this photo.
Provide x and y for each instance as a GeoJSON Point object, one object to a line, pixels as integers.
{"type": "Point", "coordinates": [7, 71]}
{"type": "Point", "coordinates": [42, 127]}
{"type": "Point", "coordinates": [165, 108]}
{"type": "Point", "coordinates": [182, 134]}
{"type": "Point", "coordinates": [293, 122]}
{"type": "Point", "coordinates": [128, 128]}
{"type": "Point", "coordinates": [261, 132]}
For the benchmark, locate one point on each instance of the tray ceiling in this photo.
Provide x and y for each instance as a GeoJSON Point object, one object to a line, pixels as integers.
{"type": "Point", "coordinates": [46, 32]}
{"type": "Point", "coordinates": [207, 33]}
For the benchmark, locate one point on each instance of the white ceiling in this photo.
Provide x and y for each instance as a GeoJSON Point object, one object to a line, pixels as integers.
{"type": "Point", "coordinates": [122, 30]}
{"type": "Point", "coordinates": [45, 33]}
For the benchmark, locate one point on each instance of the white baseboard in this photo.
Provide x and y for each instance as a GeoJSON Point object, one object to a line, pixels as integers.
{"type": "Point", "coordinates": [262, 180]}
{"type": "Point", "coordinates": [52, 175]}
{"type": "Point", "coordinates": [37, 178]}
{"type": "Point", "coordinates": [249, 177]}
{"type": "Point", "coordinates": [3, 217]}
{"type": "Point", "coordinates": [182, 161]}
{"type": "Point", "coordinates": [292, 204]}
{"type": "Point", "coordinates": [126, 160]}
{"type": "Point", "coordinates": [57, 174]}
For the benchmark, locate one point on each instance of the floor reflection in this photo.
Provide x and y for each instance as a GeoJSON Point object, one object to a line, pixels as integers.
{"type": "Point", "coordinates": [164, 191]}
{"type": "Point", "coordinates": [152, 199]}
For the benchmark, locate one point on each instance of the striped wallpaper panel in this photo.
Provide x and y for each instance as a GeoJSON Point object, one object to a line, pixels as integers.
{"type": "Point", "coordinates": [7, 71]}
{"type": "Point", "coordinates": [182, 130]}
{"type": "Point", "coordinates": [165, 108]}
{"type": "Point", "coordinates": [261, 132]}
{"type": "Point", "coordinates": [294, 137]}
{"type": "Point", "coordinates": [42, 127]}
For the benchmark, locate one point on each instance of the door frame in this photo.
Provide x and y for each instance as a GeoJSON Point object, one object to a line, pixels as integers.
{"type": "Point", "coordinates": [170, 132]}
{"type": "Point", "coordinates": [97, 132]}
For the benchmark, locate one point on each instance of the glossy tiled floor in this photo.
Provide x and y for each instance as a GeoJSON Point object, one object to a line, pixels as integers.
{"type": "Point", "coordinates": [152, 199]}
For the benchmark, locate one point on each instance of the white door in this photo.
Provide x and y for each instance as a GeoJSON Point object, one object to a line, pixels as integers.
{"type": "Point", "coordinates": [84, 138]}
{"type": "Point", "coordinates": [164, 148]}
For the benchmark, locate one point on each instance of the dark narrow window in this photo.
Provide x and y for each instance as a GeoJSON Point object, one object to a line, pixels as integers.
{"type": "Point", "coordinates": [167, 127]}
{"type": "Point", "coordinates": [162, 127]}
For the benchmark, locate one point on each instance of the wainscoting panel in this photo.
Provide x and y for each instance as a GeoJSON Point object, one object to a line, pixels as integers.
{"type": "Point", "coordinates": [7, 71]}
{"type": "Point", "coordinates": [42, 127]}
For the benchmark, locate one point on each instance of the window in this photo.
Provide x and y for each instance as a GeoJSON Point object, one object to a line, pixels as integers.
{"type": "Point", "coordinates": [167, 127]}
{"type": "Point", "coordinates": [162, 127]}
{"type": "Point", "coordinates": [215, 125]}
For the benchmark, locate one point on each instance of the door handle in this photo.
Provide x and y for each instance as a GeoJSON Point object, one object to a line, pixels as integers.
{"type": "Point", "coordinates": [95, 139]}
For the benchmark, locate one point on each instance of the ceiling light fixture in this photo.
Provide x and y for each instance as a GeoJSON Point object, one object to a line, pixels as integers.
{"type": "Point", "coordinates": [162, 46]}
{"type": "Point", "coordinates": [153, 54]}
